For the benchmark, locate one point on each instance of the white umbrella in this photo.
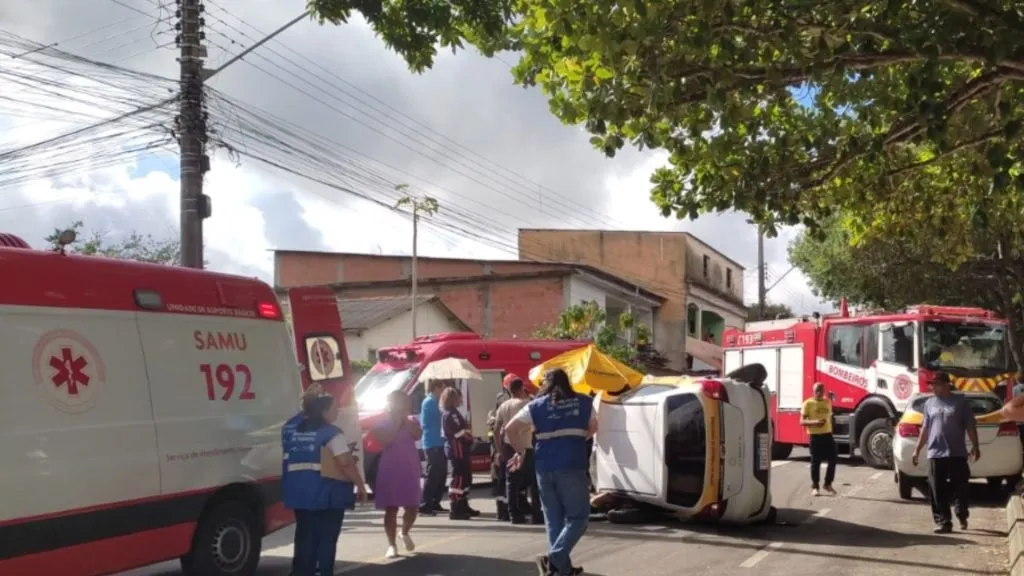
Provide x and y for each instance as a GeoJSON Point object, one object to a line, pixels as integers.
{"type": "Point", "coordinates": [450, 369]}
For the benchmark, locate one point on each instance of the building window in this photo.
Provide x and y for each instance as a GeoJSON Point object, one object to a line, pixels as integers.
{"type": "Point", "coordinates": [728, 278]}
{"type": "Point", "coordinates": [707, 265]}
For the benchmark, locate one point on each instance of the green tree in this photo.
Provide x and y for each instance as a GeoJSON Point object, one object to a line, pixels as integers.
{"type": "Point", "coordinates": [415, 29]}
{"type": "Point", "coordinates": [771, 311]}
{"type": "Point", "coordinates": [624, 340]}
{"type": "Point", "coordinates": [134, 246]}
{"type": "Point", "coordinates": [893, 271]}
{"type": "Point", "coordinates": [788, 110]}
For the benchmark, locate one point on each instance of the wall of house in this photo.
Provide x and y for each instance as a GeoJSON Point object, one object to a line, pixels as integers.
{"type": "Point", "coordinates": [317, 269]}
{"type": "Point", "coordinates": [430, 319]}
{"type": "Point", "coordinates": [713, 271]}
{"type": "Point", "coordinates": [656, 261]}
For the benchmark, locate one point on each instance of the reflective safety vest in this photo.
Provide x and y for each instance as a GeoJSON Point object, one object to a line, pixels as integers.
{"type": "Point", "coordinates": [303, 487]}
{"type": "Point", "coordinates": [561, 432]}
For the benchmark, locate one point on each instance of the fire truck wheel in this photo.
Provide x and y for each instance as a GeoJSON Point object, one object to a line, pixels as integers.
{"type": "Point", "coordinates": [876, 444]}
{"type": "Point", "coordinates": [781, 451]}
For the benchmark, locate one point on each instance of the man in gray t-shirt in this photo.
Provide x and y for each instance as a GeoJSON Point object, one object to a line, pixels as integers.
{"type": "Point", "coordinates": [947, 420]}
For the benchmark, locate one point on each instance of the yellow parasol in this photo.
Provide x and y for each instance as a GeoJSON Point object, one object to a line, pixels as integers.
{"type": "Point", "coordinates": [590, 371]}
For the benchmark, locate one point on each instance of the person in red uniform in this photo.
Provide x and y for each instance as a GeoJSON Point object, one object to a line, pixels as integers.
{"type": "Point", "coordinates": [458, 442]}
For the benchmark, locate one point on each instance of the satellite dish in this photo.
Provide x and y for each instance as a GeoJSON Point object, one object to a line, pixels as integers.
{"type": "Point", "coordinates": [67, 237]}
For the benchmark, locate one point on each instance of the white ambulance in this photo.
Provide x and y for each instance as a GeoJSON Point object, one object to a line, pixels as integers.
{"type": "Point", "coordinates": [141, 412]}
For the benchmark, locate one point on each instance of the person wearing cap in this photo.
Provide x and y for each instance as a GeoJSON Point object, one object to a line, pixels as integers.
{"type": "Point", "coordinates": [947, 420]}
{"type": "Point", "coordinates": [521, 482]}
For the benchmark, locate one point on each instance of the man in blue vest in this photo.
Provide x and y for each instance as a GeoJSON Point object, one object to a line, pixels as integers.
{"type": "Point", "coordinates": [562, 421]}
{"type": "Point", "coordinates": [319, 502]}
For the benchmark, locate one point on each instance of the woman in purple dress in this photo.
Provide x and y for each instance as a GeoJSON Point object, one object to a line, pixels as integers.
{"type": "Point", "coordinates": [398, 472]}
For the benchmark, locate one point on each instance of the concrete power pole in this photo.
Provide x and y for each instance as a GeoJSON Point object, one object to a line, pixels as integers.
{"type": "Point", "coordinates": [191, 131]}
{"type": "Point", "coordinates": [761, 290]}
{"type": "Point", "coordinates": [425, 205]}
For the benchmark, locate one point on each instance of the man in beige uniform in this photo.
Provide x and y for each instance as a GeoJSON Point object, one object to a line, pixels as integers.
{"type": "Point", "coordinates": [523, 479]}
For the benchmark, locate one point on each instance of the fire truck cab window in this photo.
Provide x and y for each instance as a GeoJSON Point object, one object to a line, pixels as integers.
{"type": "Point", "coordinates": [898, 345]}
{"type": "Point", "coordinates": [845, 345]}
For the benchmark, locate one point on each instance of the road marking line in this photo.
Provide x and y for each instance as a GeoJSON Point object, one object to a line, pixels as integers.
{"type": "Point", "coordinates": [876, 476]}
{"type": "Point", "coordinates": [760, 555]}
{"type": "Point", "coordinates": [818, 515]}
{"type": "Point", "coordinates": [777, 463]}
{"type": "Point", "coordinates": [854, 491]}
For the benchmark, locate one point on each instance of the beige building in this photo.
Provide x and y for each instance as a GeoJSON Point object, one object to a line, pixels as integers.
{"type": "Point", "coordinates": [703, 288]}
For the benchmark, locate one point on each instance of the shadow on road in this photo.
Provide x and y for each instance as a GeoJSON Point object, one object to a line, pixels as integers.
{"type": "Point", "coordinates": [449, 565]}
{"type": "Point", "coordinates": [982, 496]}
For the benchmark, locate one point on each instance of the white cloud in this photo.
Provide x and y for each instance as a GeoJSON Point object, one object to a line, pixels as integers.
{"type": "Point", "coordinates": [491, 152]}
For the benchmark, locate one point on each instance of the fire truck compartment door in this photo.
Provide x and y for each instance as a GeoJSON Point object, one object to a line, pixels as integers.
{"type": "Point", "coordinates": [769, 358]}
{"type": "Point", "coordinates": [791, 378]}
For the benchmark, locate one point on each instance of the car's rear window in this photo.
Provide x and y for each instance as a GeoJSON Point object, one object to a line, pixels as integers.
{"type": "Point", "coordinates": [685, 449]}
{"type": "Point", "coordinates": [979, 404]}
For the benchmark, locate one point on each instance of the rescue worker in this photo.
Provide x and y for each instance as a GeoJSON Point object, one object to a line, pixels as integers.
{"type": "Point", "coordinates": [562, 421]}
{"type": "Point", "coordinates": [522, 493]}
{"type": "Point", "coordinates": [319, 503]}
{"type": "Point", "coordinates": [499, 476]}
{"type": "Point", "coordinates": [458, 443]}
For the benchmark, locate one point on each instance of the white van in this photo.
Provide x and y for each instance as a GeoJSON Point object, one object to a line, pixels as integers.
{"type": "Point", "coordinates": [691, 447]}
{"type": "Point", "coordinates": [140, 415]}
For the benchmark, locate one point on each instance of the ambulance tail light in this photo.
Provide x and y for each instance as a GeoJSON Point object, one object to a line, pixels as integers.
{"type": "Point", "coordinates": [908, 430]}
{"type": "Point", "coordinates": [268, 310]}
{"type": "Point", "coordinates": [1007, 429]}
{"type": "Point", "coordinates": [715, 390]}
{"type": "Point", "coordinates": [712, 512]}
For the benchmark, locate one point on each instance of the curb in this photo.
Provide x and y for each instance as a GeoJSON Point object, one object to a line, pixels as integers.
{"type": "Point", "coordinates": [1015, 534]}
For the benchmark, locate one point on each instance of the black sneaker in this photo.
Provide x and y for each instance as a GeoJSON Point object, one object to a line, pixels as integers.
{"type": "Point", "coordinates": [943, 529]}
{"type": "Point", "coordinates": [473, 513]}
{"type": "Point", "coordinates": [427, 511]}
{"type": "Point", "coordinates": [963, 523]}
{"type": "Point", "coordinates": [517, 520]}
{"type": "Point", "coordinates": [440, 509]}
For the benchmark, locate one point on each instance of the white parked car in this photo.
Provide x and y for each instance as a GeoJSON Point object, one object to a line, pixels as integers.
{"type": "Point", "coordinates": [1001, 456]}
{"type": "Point", "coordinates": [689, 447]}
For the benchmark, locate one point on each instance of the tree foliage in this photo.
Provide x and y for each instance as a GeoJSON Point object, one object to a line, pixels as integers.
{"type": "Point", "coordinates": [624, 340]}
{"type": "Point", "coordinates": [416, 28]}
{"type": "Point", "coordinates": [894, 271]}
{"type": "Point", "coordinates": [134, 246]}
{"type": "Point", "coordinates": [772, 311]}
{"type": "Point", "coordinates": [789, 109]}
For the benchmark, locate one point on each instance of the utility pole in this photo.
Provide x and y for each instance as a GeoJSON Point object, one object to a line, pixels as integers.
{"type": "Point", "coordinates": [425, 205]}
{"type": "Point", "coordinates": [191, 131]}
{"type": "Point", "coordinates": [761, 291]}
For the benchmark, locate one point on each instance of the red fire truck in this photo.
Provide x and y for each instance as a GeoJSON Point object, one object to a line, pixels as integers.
{"type": "Point", "coordinates": [871, 363]}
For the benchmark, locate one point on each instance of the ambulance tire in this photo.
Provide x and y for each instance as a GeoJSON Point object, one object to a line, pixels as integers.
{"type": "Point", "coordinates": [876, 444]}
{"type": "Point", "coordinates": [235, 527]}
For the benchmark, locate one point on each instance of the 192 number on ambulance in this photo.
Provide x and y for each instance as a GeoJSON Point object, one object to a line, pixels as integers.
{"type": "Point", "coordinates": [226, 378]}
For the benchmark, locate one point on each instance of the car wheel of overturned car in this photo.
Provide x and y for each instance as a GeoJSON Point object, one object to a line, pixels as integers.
{"type": "Point", "coordinates": [781, 451]}
{"type": "Point", "coordinates": [228, 541]}
{"type": "Point", "coordinates": [876, 444]}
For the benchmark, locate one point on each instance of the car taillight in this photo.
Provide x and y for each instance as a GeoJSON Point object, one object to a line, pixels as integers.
{"type": "Point", "coordinates": [714, 389]}
{"type": "Point", "coordinates": [909, 430]}
{"type": "Point", "coordinates": [1008, 429]}
{"type": "Point", "coordinates": [712, 512]}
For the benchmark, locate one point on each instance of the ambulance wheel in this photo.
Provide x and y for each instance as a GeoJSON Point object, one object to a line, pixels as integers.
{"type": "Point", "coordinates": [876, 444]}
{"type": "Point", "coordinates": [227, 542]}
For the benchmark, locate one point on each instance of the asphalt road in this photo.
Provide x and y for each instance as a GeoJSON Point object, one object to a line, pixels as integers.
{"type": "Point", "coordinates": [865, 531]}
